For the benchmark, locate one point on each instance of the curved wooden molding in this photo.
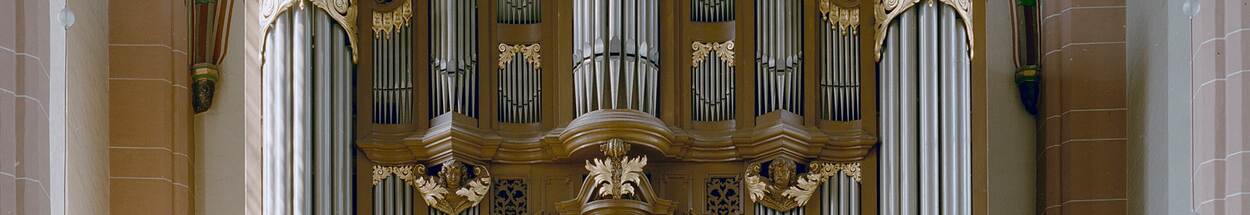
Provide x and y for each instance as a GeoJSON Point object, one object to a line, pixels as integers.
{"type": "Point", "coordinates": [778, 134]}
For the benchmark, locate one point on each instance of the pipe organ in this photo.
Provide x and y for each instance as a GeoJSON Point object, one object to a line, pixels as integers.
{"type": "Point", "coordinates": [616, 56]}
{"type": "Point", "coordinates": [453, 57]}
{"type": "Point", "coordinates": [783, 113]}
{"type": "Point", "coordinates": [779, 56]}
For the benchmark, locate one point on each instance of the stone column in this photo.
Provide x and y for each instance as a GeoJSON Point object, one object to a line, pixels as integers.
{"type": "Point", "coordinates": [149, 108]}
{"type": "Point", "coordinates": [1221, 143]}
{"type": "Point", "coordinates": [1084, 107]}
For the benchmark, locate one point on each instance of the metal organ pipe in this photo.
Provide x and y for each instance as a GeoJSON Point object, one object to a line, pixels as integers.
{"type": "Point", "coordinates": [778, 58]}
{"type": "Point", "coordinates": [925, 162]}
{"type": "Point", "coordinates": [615, 63]}
{"type": "Point", "coordinates": [453, 56]}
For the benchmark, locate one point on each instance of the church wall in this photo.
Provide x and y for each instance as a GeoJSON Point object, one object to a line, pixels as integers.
{"type": "Point", "coordinates": [1221, 156]}
{"type": "Point", "coordinates": [149, 108]}
{"type": "Point", "coordinates": [1084, 109]}
{"type": "Point", "coordinates": [24, 85]}
{"type": "Point", "coordinates": [219, 145]}
{"type": "Point", "coordinates": [1012, 131]}
{"type": "Point", "coordinates": [86, 105]}
{"type": "Point", "coordinates": [1159, 113]}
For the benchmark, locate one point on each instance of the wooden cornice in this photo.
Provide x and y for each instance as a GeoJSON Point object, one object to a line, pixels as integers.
{"type": "Point", "coordinates": [776, 134]}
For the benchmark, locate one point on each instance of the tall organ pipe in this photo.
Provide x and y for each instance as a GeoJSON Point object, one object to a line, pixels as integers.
{"type": "Point", "coordinates": [839, 77]}
{"type": "Point", "coordinates": [712, 10]}
{"type": "Point", "coordinates": [392, 82]}
{"type": "Point", "coordinates": [520, 91]}
{"type": "Point", "coordinates": [712, 89]}
{"type": "Point", "coordinates": [925, 162]}
{"type": "Point", "coordinates": [615, 55]}
{"type": "Point", "coordinates": [779, 56]}
{"type": "Point", "coordinates": [518, 11]}
{"type": "Point", "coordinates": [453, 57]}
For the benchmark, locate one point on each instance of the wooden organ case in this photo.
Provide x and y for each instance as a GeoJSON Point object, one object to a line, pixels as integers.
{"type": "Point", "coordinates": [500, 106]}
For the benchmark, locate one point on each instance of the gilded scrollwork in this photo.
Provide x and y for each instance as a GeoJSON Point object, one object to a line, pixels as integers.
{"type": "Point", "coordinates": [783, 189]}
{"type": "Point", "coordinates": [532, 54]}
{"type": "Point", "coordinates": [845, 19]}
{"type": "Point", "coordinates": [448, 191]}
{"type": "Point", "coordinates": [386, 23]}
{"type": "Point", "coordinates": [342, 11]}
{"type": "Point", "coordinates": [887, 10]}
{"type": "Point", "coordinates": [403, 172]}
{"type": "Point", "coordinates": [724, 51]}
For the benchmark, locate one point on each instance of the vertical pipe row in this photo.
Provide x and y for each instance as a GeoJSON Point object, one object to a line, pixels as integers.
{"type": "Point", "coordinates": [779, 71]}
{"type": "Point", "coordinates": [454, 57]}
{"type": "Point", "coordinates": [712, 90]}
{"type": "Point", "coordinates": [519, 92]}
{"type": "Point", "coordinates": [711, 10]}
{"type": "Point", "coordinates": [614, 61]}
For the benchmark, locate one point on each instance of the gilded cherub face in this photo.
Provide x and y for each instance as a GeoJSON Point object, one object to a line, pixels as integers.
{"type": "Point", "coordinates": [781, 172]}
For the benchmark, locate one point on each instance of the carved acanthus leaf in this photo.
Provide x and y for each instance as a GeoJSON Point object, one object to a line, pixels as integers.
{"type": "Point", "coordinates": [532, 54]}
{"type": "Point", "coordinates": [438, 190]}
{"type": "Point", "coordinates": [723, 50]}
{"type": "Point", "coordinates": [783, 189]}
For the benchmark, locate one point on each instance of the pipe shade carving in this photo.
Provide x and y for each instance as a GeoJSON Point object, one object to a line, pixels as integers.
{"type": "Point", "coordinates": [887, 10]}
{"type": "Point", "coordinates": [342, 11]}
{"type": "Point", "coordinates": [387, 22]}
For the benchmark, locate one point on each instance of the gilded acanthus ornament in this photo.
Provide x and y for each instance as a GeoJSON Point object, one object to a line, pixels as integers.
{"type": "Point", "coordinates": [617, 176]}
{"type": "Point", "coordinates": [403, 172]}
{"type": "Point", "coordinates": [783, 189]}
{"type": "Point", "coordinates": [386, 23]}
{"type": "Point", "coordinates": [531, 53]}
{"type": "Point", "coordinates": [845, 19]}
{"type": "Point", "coordinates": [887, 10]}
{"type": "Point", "coordinates": [448, 191]}
{"type": "Point", "coordinates": [723, 50]}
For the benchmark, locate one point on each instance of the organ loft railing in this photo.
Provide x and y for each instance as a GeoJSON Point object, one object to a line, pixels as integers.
{"type": "Point", "coordinates": [493, 83]}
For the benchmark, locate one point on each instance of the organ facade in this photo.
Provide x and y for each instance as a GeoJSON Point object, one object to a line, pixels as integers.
{"type": "Point", "coordinates": [619, 106]}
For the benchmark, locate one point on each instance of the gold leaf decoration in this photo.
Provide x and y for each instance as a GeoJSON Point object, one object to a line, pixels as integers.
{"type": "Point", "coordinates": [723, 50]}
{"type": "Point", "coordinates": [437, 189]}
{"type": "Point", "coordinates": [531, 53]}
{"type": "Point", "coordinates": [342, 11]}
{"type": "Point", "coordinates": [784, 190]}
{"type": "Point", "coordinates": [403, 172]}
{"type": "Point", "coordinates": [386, 23]}
{"type": "Point", "coordinates": [845, 19]}
{"type": "Point", "coordinates": [887, 10]}
{"type": "Point", "coordinates": [617, 175]}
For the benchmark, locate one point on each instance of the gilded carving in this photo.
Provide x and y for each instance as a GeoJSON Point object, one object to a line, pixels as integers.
{"type": "Point", "coordinates": [616, 176]}
{"type": "Point", "coordinates": [448, 191]}
{"type": "Point", "coordinates": [783, 189]}
{"type": "Point", "coordinates": [386, 23]}
{"type": "Point", "coordinates": [723, 50]}
{"type": "Point", "coordinates": [342, 11]}
{"type": "Point", "coordinates": [887, 10]}
{"type": "Point", "coordinates": [403, 172]}
{"type": "Point", "coordinates": [845, 19]}
{"type": "Point", "coordinates": [531, 53]}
